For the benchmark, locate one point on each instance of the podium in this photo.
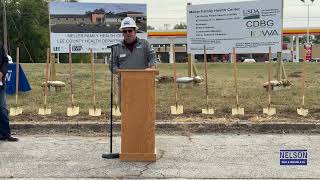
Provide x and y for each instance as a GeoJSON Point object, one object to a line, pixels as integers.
{"type": "Point", "coordinates": [138, 114]}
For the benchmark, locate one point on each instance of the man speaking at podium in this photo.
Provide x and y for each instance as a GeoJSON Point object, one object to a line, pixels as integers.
{"type": "Point", "coordinates": [132, 52]}
{"type": "Point", "coordinates": [138, 121]}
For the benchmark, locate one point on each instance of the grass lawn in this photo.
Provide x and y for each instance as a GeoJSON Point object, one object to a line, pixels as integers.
{"type": "Point", "coordinates": [253, 96]}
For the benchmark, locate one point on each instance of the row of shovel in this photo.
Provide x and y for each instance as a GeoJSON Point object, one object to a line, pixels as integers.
{"type": "Point", "coordinates": [45, 110]}
{"type": "Point", "coordinates": [175, 109]}
{"type": "Point", "coordinates": [237, 110]}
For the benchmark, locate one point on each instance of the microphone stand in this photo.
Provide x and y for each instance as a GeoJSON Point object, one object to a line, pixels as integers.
{"type": "Point", "coordinates": [111, 155]}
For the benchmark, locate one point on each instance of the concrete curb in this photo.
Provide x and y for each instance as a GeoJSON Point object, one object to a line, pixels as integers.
{"type": "Point", "coordinates": [165, 127]}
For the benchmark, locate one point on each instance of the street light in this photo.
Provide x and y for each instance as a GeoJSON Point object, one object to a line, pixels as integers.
{"type": "Point", "coordinates": [310, 2]}
{"type": "Point", "coordinates": [5, 30]}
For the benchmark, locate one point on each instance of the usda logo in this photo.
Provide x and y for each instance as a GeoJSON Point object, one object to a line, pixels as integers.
{"type": "Point", "coordinates": [251, 14]}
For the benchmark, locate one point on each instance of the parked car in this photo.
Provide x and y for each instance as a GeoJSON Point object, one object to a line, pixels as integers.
{"type": "Point", "coordinates": [249, 61]}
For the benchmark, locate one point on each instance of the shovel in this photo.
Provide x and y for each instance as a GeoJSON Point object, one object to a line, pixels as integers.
{"type": "Point", "coordinates": [93, 111]}
{"type": "Point", "coordinates": [115, 107]}
{"type": "Point", "coordinates": [269, 110]}
{"type": "Point", "coordinates": [206, 110]}
{"type": "Point", "coordinates": [73, 110]}
{"type": "Point", "coordinates": [45, 110]}
{"type": "Point", "coordinates": [176, 109]}
{"type": "Point", "coordinates": [16, 110]}
{"type": "Point", "coordinates": [237, 110]}
{"type": "Point", "coordinates": [301, 111]}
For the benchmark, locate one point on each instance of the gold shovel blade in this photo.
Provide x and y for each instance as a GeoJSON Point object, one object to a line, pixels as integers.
{"type": "Point", "coordinates": [302, 112]}
{"type": "Point", "coordinates": [269, 111]}
{"type": "Point", "coordinates": [72, 111]}
{"type": "Point", "coordinates": [207, 111]}
{"type": "Point", "coordinates": [15, 111]}
{"type": "Point", "coordinates": [237, 111]}
{"type": "Point", "coordinates": [116, 111]}
{"type": "Point", "coordinates": [44, 111]}
{"type": "Point", "coordinates": [177, 109]}
{"type": "Point", "coordinates": [94, 112]}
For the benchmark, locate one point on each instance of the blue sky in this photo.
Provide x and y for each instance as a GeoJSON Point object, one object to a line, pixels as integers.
{"type": "Point", "coordinates": [171, 12]}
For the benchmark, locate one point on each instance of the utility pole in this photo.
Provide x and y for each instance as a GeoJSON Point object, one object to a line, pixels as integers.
{"type": "Point", "coordinates": [308, 4]}
{"type": "Point", "coordinates": [5, 35]}
{"type": "Point", "coordinates": [166, 26]}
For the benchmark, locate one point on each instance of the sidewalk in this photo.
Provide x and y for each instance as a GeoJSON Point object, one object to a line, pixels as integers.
{"type": "Point", "coordinates": [187, 157]}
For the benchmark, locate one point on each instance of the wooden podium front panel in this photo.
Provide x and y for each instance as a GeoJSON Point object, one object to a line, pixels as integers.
{"type": "Point", "coordinates": [138, 116]}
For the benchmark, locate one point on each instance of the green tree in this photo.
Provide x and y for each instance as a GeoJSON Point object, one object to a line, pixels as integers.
{"type": "Point", "coordinates": [286, 39]}
{"type": "Point", "coordinates": [76, 58]}
{"type": "Point", "coordinates": [150, 28]}
{"type": "Point", "coordinates": [181, 25]}
{"type": "Point", "coordinates": [27, 23]}
{"type": "Point", "coordinates": [316, 39]}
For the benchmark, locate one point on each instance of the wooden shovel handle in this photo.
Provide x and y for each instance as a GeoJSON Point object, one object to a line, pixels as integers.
{"type": "Point", "coordinates": [70, 73]}
{"type": "Point", "coordinates": [47, 77]}
{"type": "Point", "coordinates": [206, 75]}
{"type": "Point", "coordinates": [93, 78]}
{"type": "Point", "coordinates": [17, 75]}
{"type": "Point", "coordinates": [115, 91]}
{"type": "Point", "coordinates": [303, 75]}
{"type": "Point", "coordinates": [235, 75]}
{"type": "Point", "coordinates": [175, 78]}
{"type": "Point", "coordinates": [269, 77]}
{"type": "Point", "coordinates": [205, 69]}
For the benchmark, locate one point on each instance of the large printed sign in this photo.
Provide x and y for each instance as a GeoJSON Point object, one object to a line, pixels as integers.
{"type": "Point", "coordinates": [91, 25]}
{"type": "Point", "coordinates": [250, 27]}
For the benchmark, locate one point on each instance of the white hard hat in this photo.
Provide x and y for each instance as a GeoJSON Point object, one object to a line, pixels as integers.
{"type": "Point", "coordinates": [9, 59]}
{"type": "Point", "coordinates": [128, 22]}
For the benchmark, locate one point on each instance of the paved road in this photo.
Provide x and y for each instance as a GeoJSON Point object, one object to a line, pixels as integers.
{"type": "Point", "coordinates": [195, 156]}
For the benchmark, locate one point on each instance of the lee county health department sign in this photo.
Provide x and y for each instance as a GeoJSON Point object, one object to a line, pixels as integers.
{"type": "Point", "coordinates": [250, 27]}
{"type": "Point", "coordinates": [91, 25]}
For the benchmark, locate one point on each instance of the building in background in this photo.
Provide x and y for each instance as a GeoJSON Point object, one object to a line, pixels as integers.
{"type": "Point", "coordinates": [164, 41]}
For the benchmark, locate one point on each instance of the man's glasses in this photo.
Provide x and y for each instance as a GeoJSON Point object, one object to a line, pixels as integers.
{"type": "Point", "coordinates": [125, 31]}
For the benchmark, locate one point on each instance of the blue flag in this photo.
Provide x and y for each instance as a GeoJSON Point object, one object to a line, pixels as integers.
{"type": "Point", "coordinates": [11, 80]}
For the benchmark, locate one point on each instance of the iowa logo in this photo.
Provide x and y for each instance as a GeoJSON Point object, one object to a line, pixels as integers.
{"type": "Point", "coordinates": [264, 33]}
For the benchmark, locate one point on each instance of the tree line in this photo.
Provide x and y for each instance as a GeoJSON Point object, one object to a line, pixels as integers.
{"type": "Point", "coordinates": [27, 25]}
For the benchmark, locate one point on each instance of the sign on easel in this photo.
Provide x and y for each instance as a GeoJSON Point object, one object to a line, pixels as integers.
{"type": "Point", "coordinates": [91, 25]}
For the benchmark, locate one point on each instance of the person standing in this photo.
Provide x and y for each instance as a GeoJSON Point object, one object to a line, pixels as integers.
{"type": "Point", "coordinates": [5, 132]}
{"type": "Point", "coordinates": [132, 52]}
